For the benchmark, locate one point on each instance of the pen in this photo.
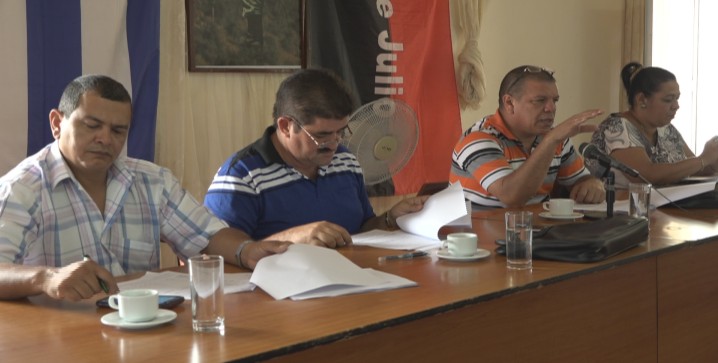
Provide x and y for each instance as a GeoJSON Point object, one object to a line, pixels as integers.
{"type": "Point", "coordinates": [404, 256]}
{"type": "Point", "coordinates": [102, 282]}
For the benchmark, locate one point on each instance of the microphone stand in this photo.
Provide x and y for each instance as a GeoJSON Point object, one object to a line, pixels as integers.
{"type": "Point", "coordinates": [610, 179]}
{"type": "Point", "coordinates": [610, 193]}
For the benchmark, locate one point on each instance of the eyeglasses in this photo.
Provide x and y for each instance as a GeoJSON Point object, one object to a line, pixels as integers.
{"type": "Point", "coordinates": [529, 69]}
{"type": "Point", "coordinates": [323, 142]}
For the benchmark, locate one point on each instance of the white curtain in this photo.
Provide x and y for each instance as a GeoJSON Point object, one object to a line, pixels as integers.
{"type": "Point", "coordinates": [465, 27]}
{"type": "Point", "coordinates": [634, 38]}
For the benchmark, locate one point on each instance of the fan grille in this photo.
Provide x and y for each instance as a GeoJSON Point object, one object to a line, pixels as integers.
{"type": "Point", "coordinates": [385, 133]}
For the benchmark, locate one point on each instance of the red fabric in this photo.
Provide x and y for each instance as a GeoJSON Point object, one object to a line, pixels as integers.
{"type": "Point", "coordinates": [426, 64]}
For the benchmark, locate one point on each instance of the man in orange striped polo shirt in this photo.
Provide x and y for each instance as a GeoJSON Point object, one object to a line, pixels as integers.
{"type": "Point", "coordinates": [516, 156]}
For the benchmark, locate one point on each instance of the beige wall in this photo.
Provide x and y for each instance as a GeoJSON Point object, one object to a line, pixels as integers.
{"type": "Point", "coordinates": [579, 39]}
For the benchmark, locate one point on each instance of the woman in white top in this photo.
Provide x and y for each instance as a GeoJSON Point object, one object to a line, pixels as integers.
{"type": "Point", "coordinates": [643, 137]}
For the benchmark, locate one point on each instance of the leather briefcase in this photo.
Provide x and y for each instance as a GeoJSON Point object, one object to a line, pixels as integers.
{"type": "Point", "coordinates": [590, 241]}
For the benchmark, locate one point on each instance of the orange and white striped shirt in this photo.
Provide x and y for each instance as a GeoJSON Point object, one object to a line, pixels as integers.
{"type": "Point", "coordinates": [489, 151]}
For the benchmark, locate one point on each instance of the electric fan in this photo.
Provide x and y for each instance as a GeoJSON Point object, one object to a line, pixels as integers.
{"type": "Point", "coordinates": [384, 135]}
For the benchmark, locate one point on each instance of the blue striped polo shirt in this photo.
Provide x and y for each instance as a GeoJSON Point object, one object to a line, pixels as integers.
{"type": "Point", "coordinates": [257, 192]}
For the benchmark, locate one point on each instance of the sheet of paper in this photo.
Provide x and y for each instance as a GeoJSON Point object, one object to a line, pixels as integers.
{"type": "Point", "coordinates": [440, 209]}
{"type": "Point", "coordinates": [316, 270]}
{"type": "Point", "coordinates": [397, 240]}
{"type": "Point", "coordinates": [672, 193]}
{"type": "Point", "coordinates": [465, 220]}
{"type": "Point", "coordinates": [390, 282]}
{"type": "Point", "coordinates": [177, 283]}
{"type": "Point", "coordinates": [699, 179]}
{"type": "Point", "coordinates": [678, 192]}
{"type": "Point", "coordinates": [618, 206]}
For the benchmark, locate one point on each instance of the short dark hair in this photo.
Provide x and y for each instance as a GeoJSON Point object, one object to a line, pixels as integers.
{"type": "Point", "coordinates": [105, 86]}
{"type": "Point", "coordinates": [637, 79]}
{"type": "Point", "coordinates": [311, 93]}
{"type": "Point", "coordinates": [513, 82]}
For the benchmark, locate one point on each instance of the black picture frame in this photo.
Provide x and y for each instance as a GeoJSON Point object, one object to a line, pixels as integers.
{"type": "Point", "coordinates": [245, 35]}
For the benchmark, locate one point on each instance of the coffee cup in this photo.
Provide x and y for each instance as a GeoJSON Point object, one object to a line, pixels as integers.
{"type": "Point", "coordinates": [136, 305]}
{"type": "Point", "coordinates": [461, 244]}
{"type": "Point", "coordinates": [559, 206]}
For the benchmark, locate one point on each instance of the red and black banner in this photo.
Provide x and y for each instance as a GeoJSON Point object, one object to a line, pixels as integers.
{"type": "Point", "coordinates": [399, 49]}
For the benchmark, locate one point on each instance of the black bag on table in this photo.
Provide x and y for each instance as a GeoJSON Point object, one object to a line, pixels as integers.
{"type": "Point", "coordinates": [590, 241]}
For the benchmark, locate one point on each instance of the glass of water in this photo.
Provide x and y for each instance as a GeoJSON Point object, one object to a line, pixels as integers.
{"type": "Point", "coordinates": [518, 239]}
{"type": "Point", "coordinates": [206, 276]}
{"type": "Point", "coordinates": [640, 200]}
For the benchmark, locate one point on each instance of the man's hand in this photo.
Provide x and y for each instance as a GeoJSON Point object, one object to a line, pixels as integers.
{"type": "Point", "coordinates": [406, 206]}
{"type": "Point", "coordinates": [574, 125]}
{"type": "Point", "coordinates": [255, 251]}
{"type": "Point", "coordinates": [77, 281]}
{"type": "Point", "coordinates": [322, 233]}
{"type": "Point", "coordinates": [588, 190]}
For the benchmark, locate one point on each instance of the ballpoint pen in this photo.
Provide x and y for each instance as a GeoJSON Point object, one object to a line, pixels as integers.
{"type": "Point", "coordinates": [102, 282]}
{"type": "Point", "coordinates": [404, 256]}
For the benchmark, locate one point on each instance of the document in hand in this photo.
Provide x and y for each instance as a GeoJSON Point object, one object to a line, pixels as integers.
{"type": "Point", "coordinates": [445, 207]}
{"type": "Point", "coordinates": [306, 272]}
{"type": "Point", "coordinates": [420, 230]}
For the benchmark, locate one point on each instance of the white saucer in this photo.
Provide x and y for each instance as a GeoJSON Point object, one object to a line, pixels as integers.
{"type": "Point", "coordinates": [163, 316]}
{"type": "Point", "coordinates": [548, 215]}
{"type": "Point", "coordinates": [480, 253]}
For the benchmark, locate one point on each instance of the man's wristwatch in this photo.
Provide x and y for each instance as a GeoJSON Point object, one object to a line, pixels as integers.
{"type": "Point", "coordinates": [238, 253]}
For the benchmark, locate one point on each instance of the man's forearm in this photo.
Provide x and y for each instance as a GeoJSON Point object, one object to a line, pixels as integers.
{"type": "Point", "coordinates": [523, 183]}
{"type": "Point", "coordinates": [17, 281]}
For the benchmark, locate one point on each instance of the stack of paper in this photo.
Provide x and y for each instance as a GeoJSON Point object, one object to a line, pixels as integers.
{"type": "Point", "coordinates": [420, 230]}
{"type": "Point", "coordinates": [395, 240]}
{"type": "Point", "coordinates": [306, 271]}
{"type": "Point", "coordinates": [177, 283]}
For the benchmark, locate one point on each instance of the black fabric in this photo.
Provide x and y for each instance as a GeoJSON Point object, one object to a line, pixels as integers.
{"type": "Point", "coordinates": [590, 241]}
{"type": "Point", "coordinates": [342, 36]}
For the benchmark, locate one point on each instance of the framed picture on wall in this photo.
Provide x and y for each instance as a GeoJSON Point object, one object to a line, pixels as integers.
{"type": "Point", "coordinates": [245, 35]}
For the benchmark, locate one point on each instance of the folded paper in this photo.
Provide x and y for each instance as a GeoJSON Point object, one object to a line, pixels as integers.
{"type": "Point", "coordinates": [306, 271]}
{"type": "Point", "coordinates": [420, 230]}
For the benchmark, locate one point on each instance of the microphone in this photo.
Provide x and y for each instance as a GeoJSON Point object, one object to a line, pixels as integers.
{"type": "Point", "coordinates": [590, 151]}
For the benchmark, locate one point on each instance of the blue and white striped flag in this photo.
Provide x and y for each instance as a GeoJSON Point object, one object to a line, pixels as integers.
{"type": "Point", "coordinates": [47, 43]}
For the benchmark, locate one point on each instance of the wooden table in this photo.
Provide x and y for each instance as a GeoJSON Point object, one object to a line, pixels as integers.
{"type": "Point", "coordinates": [655, 303]}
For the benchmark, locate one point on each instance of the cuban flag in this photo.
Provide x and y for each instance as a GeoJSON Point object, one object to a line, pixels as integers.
{"type": "Point", "coordinates": [48, 43]}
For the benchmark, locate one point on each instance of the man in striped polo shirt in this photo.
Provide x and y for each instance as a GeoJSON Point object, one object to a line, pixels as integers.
{"type": "Point", "coordinates": [516, 156]}
{"type": "Point", "coordinates": [297, 182]}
